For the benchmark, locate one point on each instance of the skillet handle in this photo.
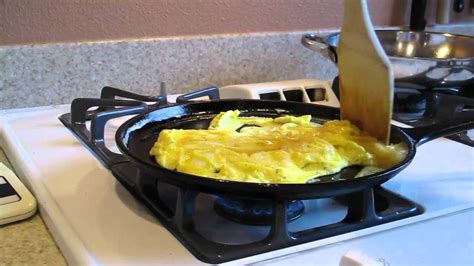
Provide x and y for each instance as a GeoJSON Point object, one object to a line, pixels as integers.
{"type": "Point", "coordinates": [424, 134]}
{"type": "Point", "coordinates": [211, 92]}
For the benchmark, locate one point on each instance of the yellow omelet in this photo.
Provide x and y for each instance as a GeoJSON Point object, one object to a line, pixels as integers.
{"type": "Point", "coordinates": [286, 149]}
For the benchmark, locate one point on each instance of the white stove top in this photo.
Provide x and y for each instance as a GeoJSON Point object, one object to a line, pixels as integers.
{"type": "Point", "coordinates": [95, 220]}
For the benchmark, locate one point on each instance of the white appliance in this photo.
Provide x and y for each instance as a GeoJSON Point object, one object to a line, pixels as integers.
{"type": "Point", "coordinates": [94, 220]}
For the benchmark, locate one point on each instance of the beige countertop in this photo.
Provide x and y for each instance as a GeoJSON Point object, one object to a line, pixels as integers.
{"type": "Point", "coordinates": [27, 242]}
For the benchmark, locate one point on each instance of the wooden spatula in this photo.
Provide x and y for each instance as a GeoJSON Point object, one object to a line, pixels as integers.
{"type": "Point", "coordinates": [365, 73]}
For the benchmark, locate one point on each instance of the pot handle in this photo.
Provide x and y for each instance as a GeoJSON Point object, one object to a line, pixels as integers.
{"type": "Point", "coordinates": [424, 134]}
{"type": "Point", "coordinates": [320, 45]}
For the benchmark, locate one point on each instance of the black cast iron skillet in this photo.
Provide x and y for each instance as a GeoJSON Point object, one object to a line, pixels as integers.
{"type": "Point", "coordinates": [136, 137]}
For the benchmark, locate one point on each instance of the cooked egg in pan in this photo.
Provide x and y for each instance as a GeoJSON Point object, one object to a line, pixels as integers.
{"type": "Point", "coordinates": [286, 149]}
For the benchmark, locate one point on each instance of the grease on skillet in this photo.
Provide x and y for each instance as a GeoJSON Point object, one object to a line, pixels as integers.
{"type": "Point", "coordinates": [286, 149]}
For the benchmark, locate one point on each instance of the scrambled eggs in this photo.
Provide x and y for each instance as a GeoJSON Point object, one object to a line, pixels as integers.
{"type": "Point", "coordinates": [286, 149]}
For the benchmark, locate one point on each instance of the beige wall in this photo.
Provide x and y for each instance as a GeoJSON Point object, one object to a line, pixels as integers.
{"type": "Point", "coordinates": [45, 21]}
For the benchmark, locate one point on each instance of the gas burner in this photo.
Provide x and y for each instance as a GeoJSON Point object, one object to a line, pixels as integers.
{"type": "Point", "coordinates": [420, 108]}
{"type": "Point", "coordinates": [409, 102]}
{"type": "Point", "coordinates": [254, 212]}
{"type": "Point", "coordinates": [176, 208]}
{"type": "Point", "coordinates": [180, 208]}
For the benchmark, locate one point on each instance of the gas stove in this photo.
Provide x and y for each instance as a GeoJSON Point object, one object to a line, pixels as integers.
{"type": "Point", "coordinates": [97, 215]}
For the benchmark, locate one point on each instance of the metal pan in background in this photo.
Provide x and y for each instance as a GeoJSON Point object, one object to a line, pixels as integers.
{"type": "Point", "coordinates": [420, 59]}
{"type": "Point", "coordinates": [136, 137]}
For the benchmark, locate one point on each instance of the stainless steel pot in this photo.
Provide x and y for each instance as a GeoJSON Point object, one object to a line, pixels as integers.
{"type": "Point", "coordinates": [419, 59]}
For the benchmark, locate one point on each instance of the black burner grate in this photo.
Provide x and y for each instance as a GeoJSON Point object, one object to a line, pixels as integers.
{"type": "Point", "coordinates": [367, 208]}
{"type": "Point", "coordinates": [175, 207]}
{"type": "Point", "coordinates": [424, 108]}
{"type": "Point", "coordinates": [419, 107]}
